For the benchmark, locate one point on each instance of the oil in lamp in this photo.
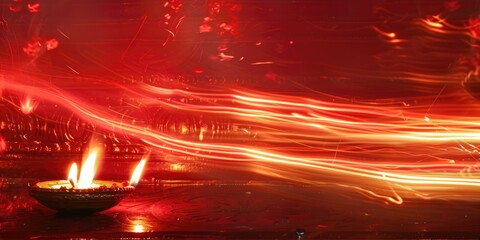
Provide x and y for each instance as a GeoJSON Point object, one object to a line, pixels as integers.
{"type": "Point", "coordinates": [84, 194]}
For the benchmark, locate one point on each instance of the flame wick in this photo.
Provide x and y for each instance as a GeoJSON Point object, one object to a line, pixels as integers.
{"type": "Point", "coordinates": [71, 182]}
{"type": "Point", "coordinates": [137, 173]}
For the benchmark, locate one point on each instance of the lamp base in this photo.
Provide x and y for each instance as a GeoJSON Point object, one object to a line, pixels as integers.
{"type": "Point", "coordinates": [58, 195]}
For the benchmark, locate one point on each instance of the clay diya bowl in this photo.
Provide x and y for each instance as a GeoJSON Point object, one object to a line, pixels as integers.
{"type": "Point", "coordinates": [60, 196]}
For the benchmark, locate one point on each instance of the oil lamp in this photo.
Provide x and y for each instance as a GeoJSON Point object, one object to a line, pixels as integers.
{"type": "Point", "coordinates": [84, 194]}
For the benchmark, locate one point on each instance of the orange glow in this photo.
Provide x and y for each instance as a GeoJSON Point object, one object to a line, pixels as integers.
{"type": "Point", "coordinates": [33, 8]}
{"type": "Point", "coordinates": [3, 144]}
{"type": "Point", "coordinates": [138, 228]}
{"type": "Point", "coordinates": [137, 173]}
{"type": "Point", "coordinates": [27, 106]}
{"type": "Point", "coordinates": [177, 167]}
{"type": "Point", "coordinates": [88, 170]}
{"type": "Point", "coordinates": [390, 35]}
{"type": "Point", "coordinates": [73, 174]}
{"type": "Point", "coordinates": [433, 24]}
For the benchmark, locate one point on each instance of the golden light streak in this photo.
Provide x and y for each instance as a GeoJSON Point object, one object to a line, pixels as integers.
{"type": "Point", "coordinates": [433, 24]}
{"type": "Point", "coordinates": [262, 63]}
{"type": "Point", "coordinates": [389, 133]}
{"type": "Point", "coordinates": [386, 149]}
{"type": "Point", "coordinates": [386, 34]}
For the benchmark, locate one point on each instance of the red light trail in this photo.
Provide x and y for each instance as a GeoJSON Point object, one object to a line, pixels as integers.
{"type": "Point", "coordinates": [389, 150]}
{"type": "Point", "coordinates": [384, 147]}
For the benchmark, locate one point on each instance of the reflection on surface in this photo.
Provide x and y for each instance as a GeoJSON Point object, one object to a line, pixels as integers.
{"type": "Point", "coordinates": [138, 228]}
{"type": "Point", "coordinates": [250, 209]}
{"type": "Point", "coordinates": [137, 223]}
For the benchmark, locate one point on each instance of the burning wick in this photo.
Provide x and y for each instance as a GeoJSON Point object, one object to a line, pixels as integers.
{"type": "Point", "coordinates": [71, 182]}
{"type": "Point", "coordinates": [86, 173]}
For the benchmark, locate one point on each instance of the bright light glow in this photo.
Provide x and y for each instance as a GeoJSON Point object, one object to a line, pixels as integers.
{"type": "Point", "coordinates": [27, 105]}
{"type": "Point", "coordinates": [73, 174]}
{"type": "Point", "coordinates": [88, 170]}
{"type": "Point", "coordinates": [433, 24]}
{"type": "Point", "coordinates": [177, 167]}
{"type": "Point", "coordinates": [137, 173]}
{"type": "Point", "coordinates": [137, 228]}
{"type": "Point", "coordinates": [387, 34]}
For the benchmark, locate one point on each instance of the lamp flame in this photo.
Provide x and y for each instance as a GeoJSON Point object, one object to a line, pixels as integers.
{"type": "Point", "coordinates": [137, 173]}
{"type": "Point", "coordinates": [88, 170]}
{"type": "Point", "coordinates": [72, 175]}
